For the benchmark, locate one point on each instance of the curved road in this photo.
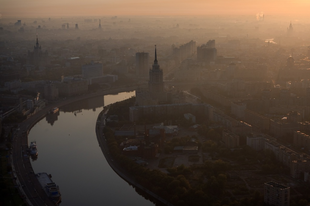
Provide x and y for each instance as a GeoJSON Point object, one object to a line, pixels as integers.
{"type": "Point", "coordinates": [30, 187]}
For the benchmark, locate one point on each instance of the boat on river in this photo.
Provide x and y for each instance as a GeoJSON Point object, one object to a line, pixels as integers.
{"type": "Point", "coordinates": [49, 187]}
{"type": "Point", "coordinates": [33, 151]}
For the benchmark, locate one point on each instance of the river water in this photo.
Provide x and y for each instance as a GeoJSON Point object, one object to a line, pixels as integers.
{"type": "Point", "coordinates": [68, 149]}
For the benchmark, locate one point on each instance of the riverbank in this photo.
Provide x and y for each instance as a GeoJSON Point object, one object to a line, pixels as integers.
{"type": "Point", "coordinates": [114, 165]}
{"type": "Point", "coordinates": [22, 168]}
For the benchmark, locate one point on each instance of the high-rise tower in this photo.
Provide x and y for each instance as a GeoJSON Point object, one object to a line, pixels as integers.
{"type": "Point", "coordinates": [156, 83]}
{"type": "Point", "coordinates": [37, 57]}
{"type": "Point", "coordinates": [142, 64]}
{"type": "Point", "coordinates": [290, 30]}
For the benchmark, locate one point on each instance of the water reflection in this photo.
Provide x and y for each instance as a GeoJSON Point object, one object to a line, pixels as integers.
{"type": "Point", "coordinates": [51, 118]}
{"type": "Point", "coordinates": [69, 150]}
{"type": "Point", "coordinates": [77, 107]}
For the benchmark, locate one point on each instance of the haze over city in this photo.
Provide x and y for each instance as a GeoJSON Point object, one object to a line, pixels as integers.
{"type": "Point", "coordinates": [172, 102]}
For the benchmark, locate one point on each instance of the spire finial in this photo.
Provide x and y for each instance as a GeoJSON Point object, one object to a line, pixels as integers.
{"type": "Point", "coordinates": [155, 61]}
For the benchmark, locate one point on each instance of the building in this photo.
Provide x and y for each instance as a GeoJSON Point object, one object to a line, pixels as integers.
{"type": "Point", "coordinates": [50, 91]}
{"type": "Point", "coordinates": [276, 194]}
{"type": "Point", "coordinates": [13, 84]}
{"type": "Point", "coordinates": [142, 64]}
{"type": "Point", "coordinates": [37, 57]}
{"type": "Point", "coordinates": [257, 120]}
{"type": "Point", "coordinates": [156, 83]}
{"type": "Point", "coordinates": [238, 109]}
{"type": "Point", "coordinates": [290, 62]}
{"type": "Point", "coordinates": [199, 110]}
{"type": "Point", "coordinates": [207, 53]}
{"type": "Point", "coordinates": [298, 163]}
{"type": "Point", "coordinates": [190, 117]}
{"type": "Point", "coordinates": [256, 141]}
{"type": "Point", "coordinates": [71, 86]}
{"type": "Point", "coordinates": [230, 140]}
{"type": "Point", "coordinates": [181, 53]}
{"type": "Point", "coordinates": [300, 169]}
{"type": "Point", "coordinates": [92, 70]}
{"type": "Point", "coordinates": [301, 140]}
{"type": "Point", "coordinates": [290, 30]}
{"type": "Point", "coordinates": [283, 127]}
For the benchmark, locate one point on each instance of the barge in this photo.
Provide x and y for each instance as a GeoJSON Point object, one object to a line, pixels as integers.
{"type": "Point", "coordinates": [50, 187]}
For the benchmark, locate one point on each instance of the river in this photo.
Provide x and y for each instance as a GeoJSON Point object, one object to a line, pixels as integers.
{"type": "Point", "coordinates": [68, 149]}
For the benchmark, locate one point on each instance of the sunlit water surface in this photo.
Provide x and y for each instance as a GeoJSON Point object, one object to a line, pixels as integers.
{"type": "Point", "coordinates": [68, 149]}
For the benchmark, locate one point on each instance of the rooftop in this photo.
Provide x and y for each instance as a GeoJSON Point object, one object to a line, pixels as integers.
{"type": "Point", "coordinates": [274, 184]}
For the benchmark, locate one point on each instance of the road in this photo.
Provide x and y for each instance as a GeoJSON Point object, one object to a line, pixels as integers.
{"type": "Point", "coordinates": [22, 169]}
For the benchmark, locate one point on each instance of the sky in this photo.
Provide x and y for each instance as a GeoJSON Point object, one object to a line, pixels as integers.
{"type": "Point", "coordinates": [62, 8]}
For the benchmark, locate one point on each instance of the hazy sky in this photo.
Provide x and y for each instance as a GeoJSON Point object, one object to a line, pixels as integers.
{"type": "Point", "coordinates": [52, 8]}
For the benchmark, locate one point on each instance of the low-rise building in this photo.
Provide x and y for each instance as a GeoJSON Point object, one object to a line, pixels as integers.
{"type": "Point", "coordinates": [71, 86]}
{"type": "Point", "coordinates": [230, 140]}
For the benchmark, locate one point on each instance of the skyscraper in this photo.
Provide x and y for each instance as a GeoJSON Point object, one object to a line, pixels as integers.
{"type": "Point", "coordinates": [142, 64]}
{"type": "Point", "coordinates": [290, 30]}
{"type": "Point", "coordinates": [207, 52]}
{"type": "Point", "coordinates": [37, 57]}
{"type": "Point", "coordinates": [156, 83]}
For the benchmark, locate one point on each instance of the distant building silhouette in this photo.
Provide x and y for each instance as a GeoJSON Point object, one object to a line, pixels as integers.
{"type": "Point", "coordinates": [207, 52]}
{"type": "Point", "coordinates": [37, 57]}
{"type": "Point", "coordinates": [142, 64]}
{"type": "Point", "coordinates": [290, 62]}
{"type": "Point", "coordinates": [156, 83]}
{"type": "Point", "coordinates": [18, 23]}
{"type": "Point", "coordinates": [92, 70]}
{"type": "Point", "coordinates": [290, 30]}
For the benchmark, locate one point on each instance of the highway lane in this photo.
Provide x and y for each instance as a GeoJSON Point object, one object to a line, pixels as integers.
{"type": "Point", "coordinates": [25, 177]}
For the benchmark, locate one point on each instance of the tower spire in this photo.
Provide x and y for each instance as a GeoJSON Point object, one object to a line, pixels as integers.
{"type": "Point", "coordinates": [155, 61]}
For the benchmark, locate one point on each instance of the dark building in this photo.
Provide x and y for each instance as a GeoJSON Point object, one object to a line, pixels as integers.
{"type": "Point", "coordinates": [37, 57]}
{"type": "Point", "coordinates": [276, 194]}
{"type": "Point", "coordinates": [290, 62]}
{"type": "Point", "coordinates": [18, 23]}
{"type": "Point", "coordinates": [207, 53]}
{"type": "Point", "coordinates": [142, 64]}
{"type": "Point", "coordinates": [156, 83]}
